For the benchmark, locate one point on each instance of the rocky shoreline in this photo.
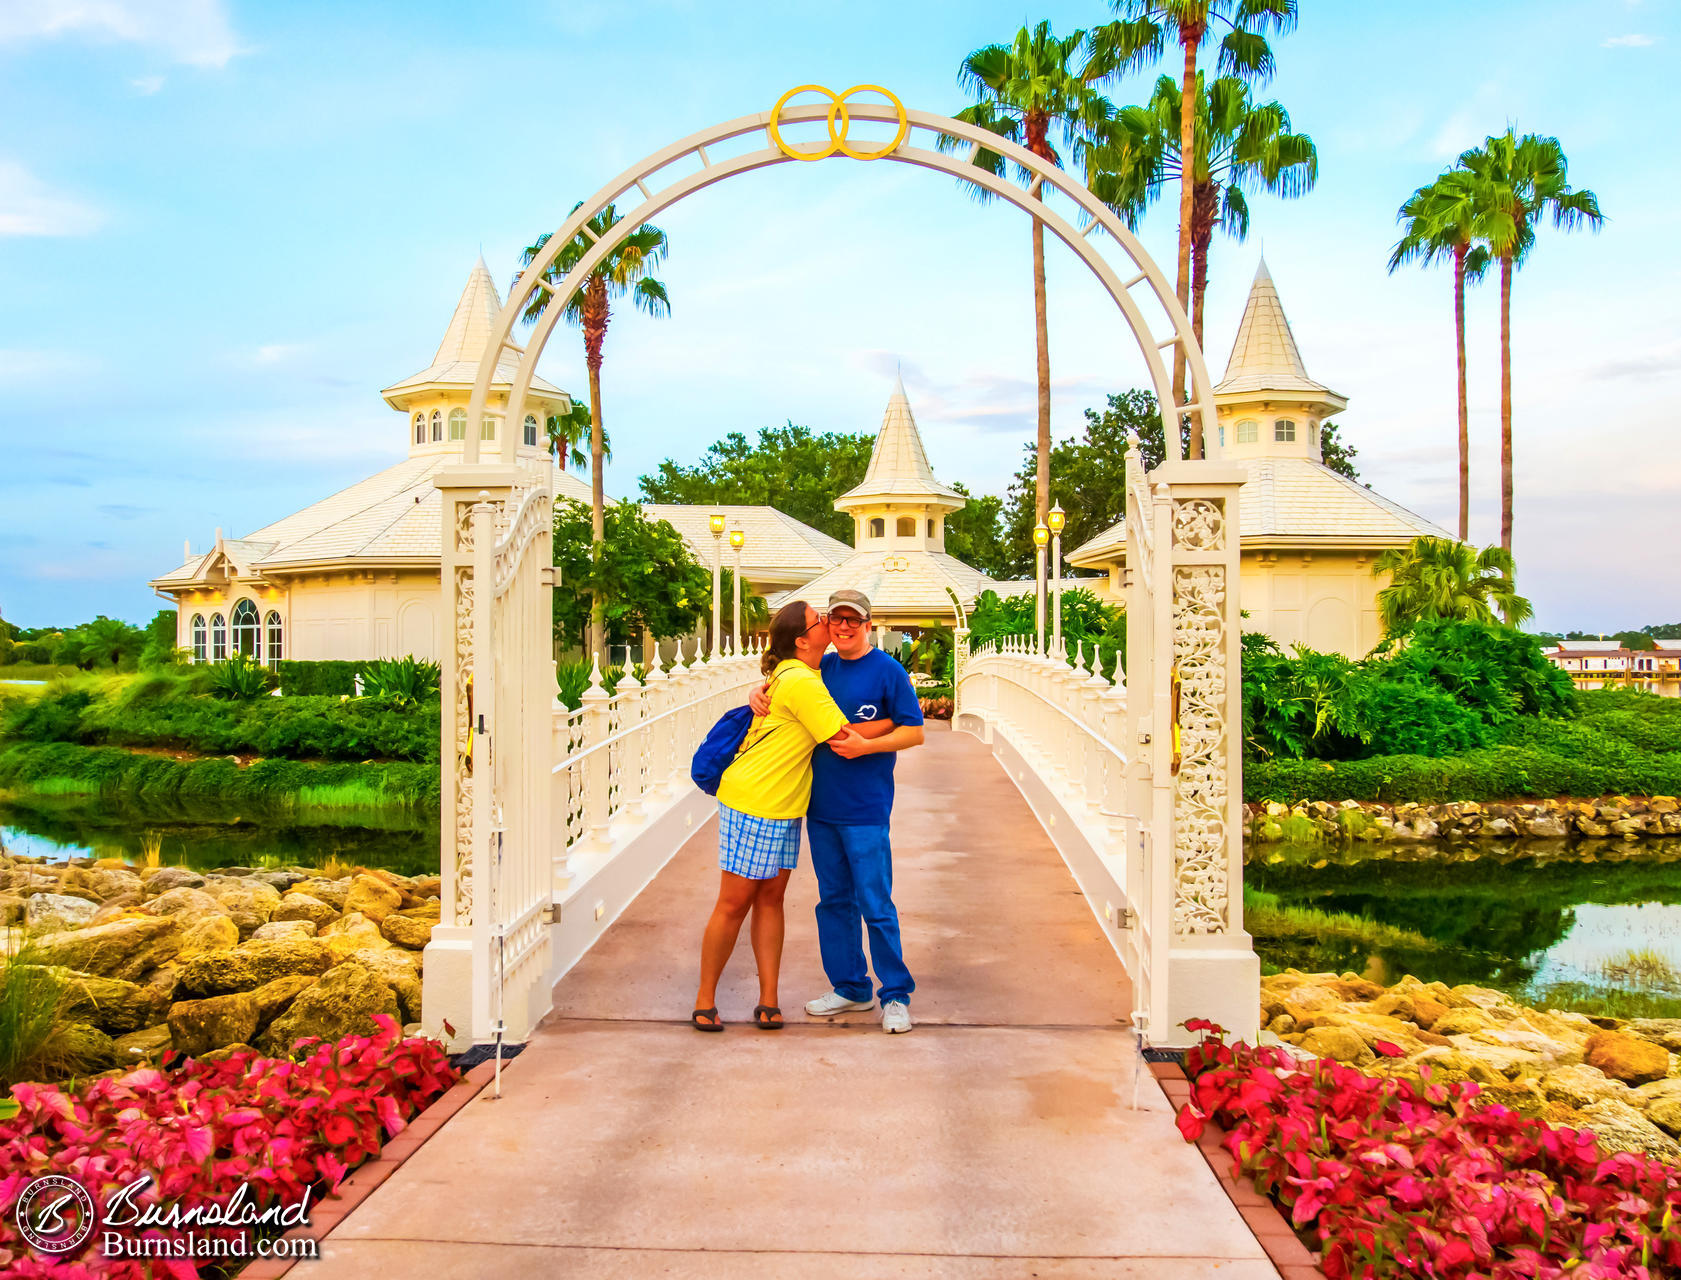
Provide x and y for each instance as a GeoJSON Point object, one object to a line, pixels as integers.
{"type": "Point", "coordinates": [152, 959]}
{"type": "Point", "coordinates": [1619, 1079]}
{"type": "Point", "coordinates": [1614, 817]}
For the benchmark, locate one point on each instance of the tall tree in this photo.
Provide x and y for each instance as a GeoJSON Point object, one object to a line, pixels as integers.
{"type": "Point", "coordinates": [975, 535]}
{"type": "Point", "coordinates": [1140, 35]}
{"type": "Point", "coordinates": [1520, 181]}
{"type": "Point", "coordinates": [1242, 146]}
{"type": "Point", "coordinates": [790, 468]}
{"type": "Point", "coordinates": [1026, 92]}
{"type": "Point", "coordinates": [1438, 578]}
{"type": "Point", "coordinates": [1444, 220]}
{"type": "Point", "coordinates": [626, 270]}
{"type": "Point", "coordinates": [642, 572]}
{"type": "Point", "coordinates": [569, 436]}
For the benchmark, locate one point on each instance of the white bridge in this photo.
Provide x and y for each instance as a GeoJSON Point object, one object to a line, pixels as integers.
{"type": "Point", "coordinates": [554, 820]}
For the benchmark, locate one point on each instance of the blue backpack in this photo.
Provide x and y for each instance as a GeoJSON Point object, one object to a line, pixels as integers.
{"type": "Point", "coordinates": [719, 749]}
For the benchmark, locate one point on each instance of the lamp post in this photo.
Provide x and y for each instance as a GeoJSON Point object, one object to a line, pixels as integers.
{"type": "Point", "coordinates": [1041, 535]}
{"type": "Point", "coordinates": [716, 521]}
{"type": "Point", "coordinates": [737, 537]}
{"type": "Point", "coordinates": [1056, 518]}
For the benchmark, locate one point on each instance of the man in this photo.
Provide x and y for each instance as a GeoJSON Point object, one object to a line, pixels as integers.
{"type": "Point", "coordinates": [847, 823]}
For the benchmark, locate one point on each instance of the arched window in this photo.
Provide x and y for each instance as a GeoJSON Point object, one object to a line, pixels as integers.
{"type": "Point", "coordinates": [437, 424]}
{"type": "Point", "coordinates": [245, 628]}
{"type": "Point", "coordinates": [1246, 432]}
{"type": "Point", "coordinates": [420, 428]}
{"type": "Point", "coordinates": [878, 528]}
{"type": "Point", "coordinates": [218, 638]}
{"type": "Point", "coordinates": [487, 428]}
{"type": "Point", "coordinates": [531, 430]}
{"type": "Point", "coordinates": [1284, 431]}
{"type": "Point", "coordinates": [275, 650]}
{"type": "Point", "coordinates": [930, 528]}
{"type": "Point", "coordinates": [457, 424]}
{"type": "Point", "coordinates": [905, 527]}
{"type": "Point", "coordinates": [1222, 435]}
{"type": "Point", "coordinates": [199, 653]}
{"type": "Point", "coordinates": [1313, 433]}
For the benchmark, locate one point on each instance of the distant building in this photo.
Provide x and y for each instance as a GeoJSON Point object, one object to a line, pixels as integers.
{"type": "Point", "coordinates": [1308, 535]}
{"type": "Point", "coordinates": [1606, 664]}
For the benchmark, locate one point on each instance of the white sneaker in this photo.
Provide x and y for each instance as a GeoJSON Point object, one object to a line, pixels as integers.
{"type": "Point", "coordinates": [834, 1002]}
{"type": "Point", "coordinates": [895, 1017]}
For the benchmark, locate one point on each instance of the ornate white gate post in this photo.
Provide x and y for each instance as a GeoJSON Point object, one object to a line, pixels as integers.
{"type": "Point", "coordinates": [1213, 970]}
{"type": "Point", "coordinates": [449, 976]}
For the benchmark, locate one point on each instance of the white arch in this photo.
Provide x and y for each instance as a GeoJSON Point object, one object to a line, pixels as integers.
{"type": "Point", "coordinates": [958, 164]}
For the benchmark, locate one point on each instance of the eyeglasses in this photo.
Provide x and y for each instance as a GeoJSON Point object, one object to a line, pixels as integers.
{"type": "Point", "coordinates": [846, 620]}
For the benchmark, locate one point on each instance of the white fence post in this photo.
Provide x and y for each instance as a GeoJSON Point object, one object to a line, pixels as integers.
{"type": "Point", "coordinates": [596, 780]}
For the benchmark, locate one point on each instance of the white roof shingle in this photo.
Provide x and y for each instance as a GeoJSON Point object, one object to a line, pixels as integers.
{"type": "Point", "coordinates": [778, 548]}
{"type": "Point", "coordinates": [899, 463]}
{"type": "Point", "coordinates": [1265, 356]}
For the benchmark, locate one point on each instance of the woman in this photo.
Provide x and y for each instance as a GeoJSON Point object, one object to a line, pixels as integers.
{"type": "Point", "coordinates": [761, 802]}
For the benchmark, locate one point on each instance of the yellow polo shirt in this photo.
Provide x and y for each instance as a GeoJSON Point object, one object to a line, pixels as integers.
{"type": "Point", "coordinates": [771, 776]}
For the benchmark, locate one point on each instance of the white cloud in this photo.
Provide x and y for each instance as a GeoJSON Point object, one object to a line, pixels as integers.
{"type": "Point", "coordinates": [195, 32]}
{"type": "Point", "coordinates": [28, 207]}
{"type": "Point", "coordinates": [146, 86]}
{"type": "Point", "coordinates": [276, 352]}
{"type": "Point", "coordinates": [1634, 41]}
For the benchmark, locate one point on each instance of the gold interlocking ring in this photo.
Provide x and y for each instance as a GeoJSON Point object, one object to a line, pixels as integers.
{"type": "Point", "coordinates": [838, 113]}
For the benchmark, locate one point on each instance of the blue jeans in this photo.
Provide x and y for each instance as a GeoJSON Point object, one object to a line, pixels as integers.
{"type": "Point", "coordinates": [854, 867]}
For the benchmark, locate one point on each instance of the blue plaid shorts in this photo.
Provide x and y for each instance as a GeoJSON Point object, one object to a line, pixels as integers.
{"type": "Point", "coordinates": [757, 848]}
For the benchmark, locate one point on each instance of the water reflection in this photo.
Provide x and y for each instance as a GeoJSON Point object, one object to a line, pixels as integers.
{"type": "Point", "coordinates": [1520, 916]}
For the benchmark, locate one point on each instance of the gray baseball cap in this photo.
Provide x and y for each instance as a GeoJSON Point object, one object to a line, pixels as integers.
{"type": "Point", "coordinates": [852, 600]}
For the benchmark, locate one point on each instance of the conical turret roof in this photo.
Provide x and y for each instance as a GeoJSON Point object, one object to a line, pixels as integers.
{"type": "Point", "coordinates": [457, 361]}
{"type": "Point", "coordinates": [1265, 356]}
{"type": "Point", "coordinates": [899, 467]}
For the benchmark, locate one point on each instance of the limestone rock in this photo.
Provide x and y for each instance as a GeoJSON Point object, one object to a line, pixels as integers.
{"type": "Point", "coordinates": [197, 1026]}
{"type": "Point", "coordinates": [48, 912]}
{"type": "Point", "coordinates": [11, 908]}
{"type": "Point", "coordinates": [187, 905]}
{"type": "Point", "coordinates": [115, 908]}
{"type": "Point", "coordinates": [249, 902]}
{"type": "Point", "coordinates": [124, 948]}
{"type": "Point", "coordinates": [1581, 1085]}
{"type": "Point", "coordinates": [284, 929]}
{"type": "Point", "coordinates": [342, 1003]}
{"type": "Point", "coordinates": [372, 897]}
{"type": "Point", "coordinates": [424, 887]}
{"type": "Point", "coordinates": [110, 882]}
{"type": "Point", "coordinates": [279, 880]}
{"type": "Point", "coordinates": [1452, 1065]}
{"type": "Point", "coordinates": [1666, 1114]}
{"type": "Point", "coordinates": [273, 998]}
{"type": "Point", "coordinates": [1619, 1127]}
{"type": "Point", "coordinates": [114, 1006]}
{"type": "Point", "coordinates": [1545, 826]}
{"type": "Point", "coordinates": [147, 1044]}
{"type": "Point", "coordinates": [407, 931]}
{"type": "Point", "coordinates": [213, 933]}
{"type": "Point", "coordinates": [1626, 1058]}
{"type": "Point", "coordinates": [1460, 1022]}
{"type": "Point", "coordinates": [353, 932]}
{"type": "Point", "coordinates": [1522, 1096]}
{"type": "Point", "coordinates": [394, 969]}
{"type": "Point", "coordinates": [331, 892]}
{"type": "Point", "coordinates": [302, 906]}
{"type": "Point", "coordinates": [87, 1050]}
{"type": "Point", "coordinates": [163, 879]}
{"type": "Point", "coordinates": [1282, 1025]}
{"type": "Point", "coordinates": [1340, 1044]}
{"type": "Point", "coordinates": [1664, 1031]}
{"type": "Point", "coordinates": [225, 1052]}
{"type": "Point", "coordinates": [252, 964]}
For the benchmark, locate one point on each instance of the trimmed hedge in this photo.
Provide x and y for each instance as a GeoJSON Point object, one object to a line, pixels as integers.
{"type": "Point", "coordinates": [331, 678]}
{"type": "Point", "coordinates": [158, 711]}
{"type": "Point", "coordinates": [215, 790]}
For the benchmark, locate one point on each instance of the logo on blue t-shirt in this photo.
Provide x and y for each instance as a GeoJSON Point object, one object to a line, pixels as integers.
{"type": "Point", "coordinates": [859, 793]}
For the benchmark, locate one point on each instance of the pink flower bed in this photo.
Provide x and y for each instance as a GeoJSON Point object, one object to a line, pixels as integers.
{"type": "Point", "coordinates": [1395, 1180]}
{"type": "Point", "coordinates": [278, 1126]}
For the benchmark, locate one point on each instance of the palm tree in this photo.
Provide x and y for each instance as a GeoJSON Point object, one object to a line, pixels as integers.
{"type": "Point", "coordinates": [623, 271]}
{"type": "Point", "coordinates": [1242, 146]}
{"type": "Point", "coordinates": [1439, 578]}
{"type": "Point", "coordinates": [1444, 220]}
{"type": "Point", "coordinates": [570, 434]}
{"type": "Point", "coordinates": [1139, 36]}
{"type": "Point", "coordinates": [1024, 91]}
{"type": "Point", "coordinates": [1520, 180]}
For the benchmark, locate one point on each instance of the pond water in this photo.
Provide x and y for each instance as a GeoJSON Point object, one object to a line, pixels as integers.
{"type": "Point", "coordinates": [87, 832]}
{"type": "Point", "coordinates": [1523, 918]}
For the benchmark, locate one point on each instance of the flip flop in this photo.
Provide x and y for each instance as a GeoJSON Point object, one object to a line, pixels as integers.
{"type": "Point", "coordinates": [717, 1023]}
{"type": "Point", "coordinates": [762, 1014]}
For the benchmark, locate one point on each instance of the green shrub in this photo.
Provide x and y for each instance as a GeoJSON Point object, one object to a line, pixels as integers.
{"type": "Point", "coordinates": [1407, 718]}
{"type": "Point", "coordinates": [241, 677]}
{"type": "Point", "coordinates": [34, 1001]}
{"type": "Point", "coordinates": [1498, 671]}
{"type": "Point", "coordinates": [401, 681]}
{"type": "Point", "coordinates": [572, 678]}
{"type": "Point", "coordinates": [33, 651]}
{"type": "Point", "coordinates": [335, 678]}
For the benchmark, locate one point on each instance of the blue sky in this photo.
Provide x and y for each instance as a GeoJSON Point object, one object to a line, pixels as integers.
{"type": "Point", "coordinates": [224, 226]}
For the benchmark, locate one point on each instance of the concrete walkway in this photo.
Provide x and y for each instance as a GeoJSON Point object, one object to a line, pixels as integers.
{"type": "Point", "coordinates": [996, 1141]}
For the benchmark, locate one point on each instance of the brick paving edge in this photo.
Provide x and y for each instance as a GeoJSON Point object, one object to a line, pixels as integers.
{"type": "Point", "coordinates": [331, 1213]}
{"type": "Point", "coordinates": [1260, 1213]}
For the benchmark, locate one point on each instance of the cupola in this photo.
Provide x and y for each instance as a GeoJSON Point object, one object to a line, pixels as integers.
{"type": "Point", "coordinates": [899, 504]}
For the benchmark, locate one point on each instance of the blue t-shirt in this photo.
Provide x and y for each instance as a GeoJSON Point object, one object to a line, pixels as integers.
{"type": "Point", "coordinates": [859, 793]}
